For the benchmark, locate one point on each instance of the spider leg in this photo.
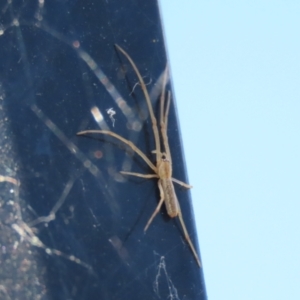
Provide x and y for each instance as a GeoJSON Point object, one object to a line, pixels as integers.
{"type": "Point", "coordinates": [147, 97]}
{"type": "Point", "coordinates": [156, 211]}
{"type": "Point", "coordinates": [139, 175]}
{"type": "Point", "coordinates": [187, 237]}
{"type": "Point", "coordinates": [164, 125]}
{"type": "Point", "coordinates": [187, 186]}
{"type": "Point", "coordinates": [129, 143]}
{"type": "Point", "coordinates": [164, 115]}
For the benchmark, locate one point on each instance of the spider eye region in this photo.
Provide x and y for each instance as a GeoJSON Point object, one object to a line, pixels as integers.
{"type": "Point", "coordinates": [164, 157]}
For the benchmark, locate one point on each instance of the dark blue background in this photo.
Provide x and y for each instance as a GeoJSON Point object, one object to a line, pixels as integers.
{"type": "Point", "coordinates": [48, 91]}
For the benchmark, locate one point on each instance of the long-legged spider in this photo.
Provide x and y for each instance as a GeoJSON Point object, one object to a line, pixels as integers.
{"type": "Point", "coordinates": [163, 168]}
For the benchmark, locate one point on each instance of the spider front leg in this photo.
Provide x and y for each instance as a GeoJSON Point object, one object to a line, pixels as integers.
{"type": "Point", "coordinates": [164, 113]}
{"type": "Point", "coordinates": [125, 141]}
{"type": "Point", "coordinates": [148, 101]}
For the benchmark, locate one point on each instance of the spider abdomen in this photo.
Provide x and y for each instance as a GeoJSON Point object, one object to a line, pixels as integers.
{"type": "Point", "coordinates": [170, 198]}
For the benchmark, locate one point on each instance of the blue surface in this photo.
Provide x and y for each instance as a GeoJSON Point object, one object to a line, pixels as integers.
{"type": "Point", "coordinates": [71, 226]}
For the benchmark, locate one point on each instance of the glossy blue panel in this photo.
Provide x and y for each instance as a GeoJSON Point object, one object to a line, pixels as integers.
{"type": "Point", "coordinates": [58, 64]}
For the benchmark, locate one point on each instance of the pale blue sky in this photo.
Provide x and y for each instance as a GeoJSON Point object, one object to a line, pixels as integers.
{"type": "Point", "coordinates": [236, 73]}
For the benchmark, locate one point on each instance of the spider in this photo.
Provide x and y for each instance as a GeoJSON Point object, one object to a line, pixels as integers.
{"type": "Point", "coordinates": [163, 168]}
